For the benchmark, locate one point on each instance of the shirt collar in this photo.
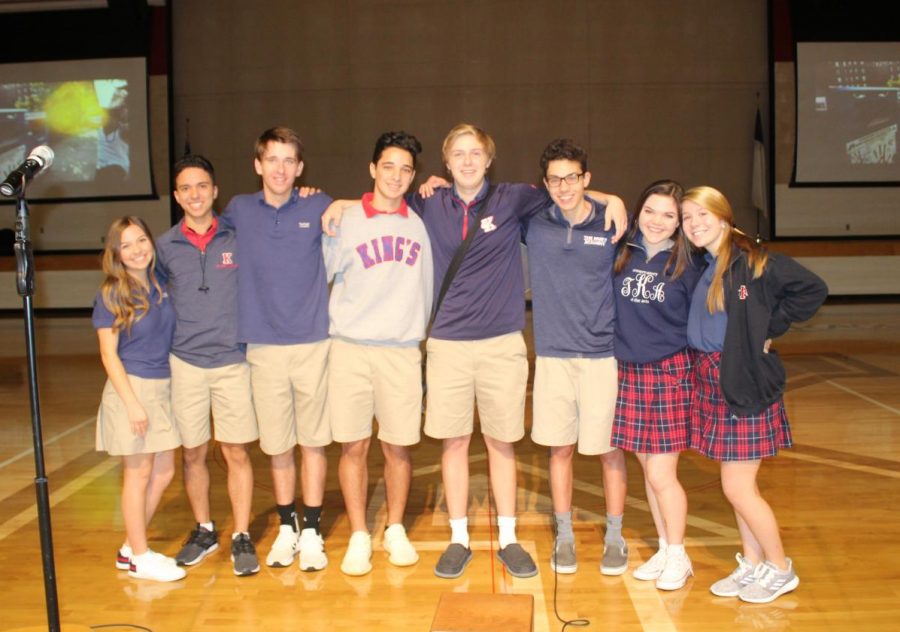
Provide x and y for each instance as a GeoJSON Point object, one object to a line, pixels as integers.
{"type": "Point", "coordinates": [371, 211]}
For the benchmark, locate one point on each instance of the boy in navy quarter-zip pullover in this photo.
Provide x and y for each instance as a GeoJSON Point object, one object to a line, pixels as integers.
{"type": "Point", "coordinates": [571, 257]}
{"type": "Point", "coordinates": [199, 261]}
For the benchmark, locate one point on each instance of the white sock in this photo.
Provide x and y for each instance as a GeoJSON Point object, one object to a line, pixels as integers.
{"type": "Point", "coordinates": [209, 526]}
{"type": "Point", "coordinates": [459, 531]}
{"type": "Point", "coordinates": [675, 549]}
{"type": "Point", "coordinates": [506, 527]}
{"type": "Point", "coordinates": [663, 544]}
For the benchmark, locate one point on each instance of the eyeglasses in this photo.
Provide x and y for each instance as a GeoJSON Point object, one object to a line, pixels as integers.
{"type": "Point", "coordinates": [555, 181]}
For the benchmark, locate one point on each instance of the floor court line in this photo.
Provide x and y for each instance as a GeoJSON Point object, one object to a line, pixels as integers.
{"type": "Point", "coordinates": [72, 487]}
{"type": "Point", "coordinates": [47, 442]}
{"type": "Point", "coordinates": [871, 400]}
{"type": "Point", "coordinates": [867, 469]}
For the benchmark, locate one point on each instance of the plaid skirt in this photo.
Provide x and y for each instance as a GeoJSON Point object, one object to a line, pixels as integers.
{"type": "Point", "coordinates": [721, 435]}
{"type": "Point", "coordinates": [653, 406]}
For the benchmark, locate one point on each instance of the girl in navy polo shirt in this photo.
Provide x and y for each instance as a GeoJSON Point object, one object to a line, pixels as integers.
{"type": "Point", "coordinates": [655, 279]}
{"type": "Point", "coordinates": [135, 323]}
{"type": "Point", "coordinates": [746, 297]}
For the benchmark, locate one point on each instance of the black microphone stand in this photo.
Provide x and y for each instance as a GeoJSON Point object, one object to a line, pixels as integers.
{"type": "Point", "coordinates": [25, 288]}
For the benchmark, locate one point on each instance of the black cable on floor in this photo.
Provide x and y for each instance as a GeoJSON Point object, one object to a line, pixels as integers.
{"type": "Point", "coordinates": [575, 623]}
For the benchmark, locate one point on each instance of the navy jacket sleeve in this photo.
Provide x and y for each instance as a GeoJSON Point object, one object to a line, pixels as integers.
{"type": "Point", "coordinates": [798, 293]}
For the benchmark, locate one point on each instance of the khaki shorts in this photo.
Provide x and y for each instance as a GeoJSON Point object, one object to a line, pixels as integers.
{"type": "Point", "coordinates": [368, 380]}
{"type": "Point", "coordinates": [289, 394]}
{"type": "Point", "coordinates": [114, 434]}
{"type": "Point", "coordinates": [575, 402]}
{"type": "Point", "coordinates": [225, 389]}
{"type": "Point", "coordinates": [492, 372]}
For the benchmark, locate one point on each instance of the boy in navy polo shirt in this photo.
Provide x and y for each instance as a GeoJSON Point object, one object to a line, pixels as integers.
{"type": "Point", "coordinates": [198, 259]}
{"type": "Point", "coordinates": [283, 319]}
{"type": "Point", "coordinates": [571, 256]}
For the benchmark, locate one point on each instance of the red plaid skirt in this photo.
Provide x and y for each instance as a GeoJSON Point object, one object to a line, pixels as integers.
{"type": "Point", "coordinates": [721, 435]}
{"type": "Point", "coordinates": [653, 406]}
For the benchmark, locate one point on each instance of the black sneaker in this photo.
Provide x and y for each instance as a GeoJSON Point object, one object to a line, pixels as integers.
{"type": "Point", "coordinates": [199, 544]}
{"type": "Point", "coordinates": [453, 561]}
{"type": "Point", "coordinates": [243, 554]}
{"type": "Point", "coordinates": [517, 561]}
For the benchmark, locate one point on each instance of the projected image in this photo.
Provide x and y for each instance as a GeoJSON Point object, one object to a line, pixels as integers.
{"type": "Point", "coordinates": [848, 112]}
{"type": "Point", "coordinates": [85, 122]}
{"type": "Point", "coordinates": [95, 126]}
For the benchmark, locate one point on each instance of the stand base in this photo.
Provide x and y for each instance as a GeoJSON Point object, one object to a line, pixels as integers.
{"type": "Point", "coordinates": [474, 612]}
{"type": "Point", "coordinates": [65, 627]}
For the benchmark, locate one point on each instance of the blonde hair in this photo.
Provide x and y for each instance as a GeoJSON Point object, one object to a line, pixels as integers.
{"type": "Point", "coordinates": [126, 297]}
{"type": "Point", "coordinates": [716, 203]}
{"type": "Point", "coordinates": [467, 128]}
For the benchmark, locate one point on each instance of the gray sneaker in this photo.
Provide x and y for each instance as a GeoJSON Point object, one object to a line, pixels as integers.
{"type": "Point", "coordinates": [769, 583]}
{"type": "Point", "coordinates": [517, 561]}
{"type": "Point", "coordinates": [615, 558]}
{"type": "Point", "coordinates": [243, 554]}
{"type": "Point", "coordinates": [563, 559]}
{"type": "Point", "coordinates": [453, 561]}
{"type": "Point", "coordinates": [740, 577]}
{"type": "Point", "coordinates": [199, 544]}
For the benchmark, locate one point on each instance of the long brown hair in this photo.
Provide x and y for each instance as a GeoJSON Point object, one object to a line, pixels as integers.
{"type": "Point", "coordinates": [678, 256]}
{"type": "Point", "coordinates": [126, 297]}
{"type": "Point", "coordinates": [716, 203]}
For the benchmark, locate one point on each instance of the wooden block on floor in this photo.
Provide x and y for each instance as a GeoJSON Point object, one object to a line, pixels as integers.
{"type": "Point", "coordinates": [480, 612]}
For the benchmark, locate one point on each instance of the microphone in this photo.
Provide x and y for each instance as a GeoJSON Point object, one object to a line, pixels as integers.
{"type": "Point", "coordinates": [39, 159]}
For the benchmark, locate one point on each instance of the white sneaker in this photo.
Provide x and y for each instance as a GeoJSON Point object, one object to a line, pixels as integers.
{"type": "Point", "coordinates": [312, 551]}
{"type": "Point", "coordinates": [650, 570]}
{"type": "Point", "coordinates": [740, 577]}
{"type": "Point", "coordinates": [155, 566]}
{"type": "Point", "coordinates": [284, 548]}
{"type": "Point", "coordinates": [123, 558]}
{"type": "Point", "coordinates": [400, 550]}
{"type": "Point", "coordinates": [358, 558]}
{"type": "Point", "coordinates": [676, 572]}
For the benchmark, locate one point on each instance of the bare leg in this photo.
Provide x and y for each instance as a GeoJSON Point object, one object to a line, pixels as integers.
{"type": "Point", "coordinates": [161, 474]}
{"type": "Point", "coordinates": [397, 480]}
{"type": "Point", "coordinates": [561, 477]}
{"type": "Point", "coordinates": [196, 481]}
{"type": "Point", "coordinates": [455, 475]}
{"type": "Point", "coordinates": [353, 472]}
{"type": "Point", "coordinates": [313, 470]}
{"type": "Point", "coordinates": [240, 483]}
{"type": "Point", "coordinates": [739, 485]}
{"type": "Point", "coordinates": [502, 461]}
{"type": "Point", "coordinates": [655, 512]}
{"type": "Point", "coordinates": [614, 481]}
{"type": "Point", "coordinates": [662, 475]}
{"type": "Point", "coordinates": [135, 480]}
{"type": "Point", "coordinates": [284, 477]}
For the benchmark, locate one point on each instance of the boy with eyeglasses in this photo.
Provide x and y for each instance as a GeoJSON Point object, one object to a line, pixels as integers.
{"type": "Point", "coordinates": [571, 256]}
{"type": "Point", "coordinates": [198, 258]}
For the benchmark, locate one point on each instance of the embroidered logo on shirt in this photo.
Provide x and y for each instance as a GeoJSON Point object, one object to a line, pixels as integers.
{"type": "Point", "coordinates": [743, 293]}
{"type": "Point", "coordinates": [594, 240]}
{"type": "Point", "coordinates": [487, 224]}
{"type": "Point", "coordinates": [389, 248]}
{"type": "Point", "coordinates": [227, 261]}
{"type": "Point", "coordinates": [640, 288]}
{"type": "Point", "coordinates": [303, 224]}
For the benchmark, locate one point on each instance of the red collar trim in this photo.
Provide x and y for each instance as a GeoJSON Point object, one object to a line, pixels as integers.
{"type": "Point", "coordinates": [371, 211]}
{"type": "Point", "coordinates": [200, 241]}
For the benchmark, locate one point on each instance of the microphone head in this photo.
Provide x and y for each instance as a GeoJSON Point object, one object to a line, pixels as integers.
{"type": "Point", "coordinates": [43, 154]}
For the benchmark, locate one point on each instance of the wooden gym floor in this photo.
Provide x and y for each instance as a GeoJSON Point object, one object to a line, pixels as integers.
{"type": "Point", "coordinates": [835, 494]}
